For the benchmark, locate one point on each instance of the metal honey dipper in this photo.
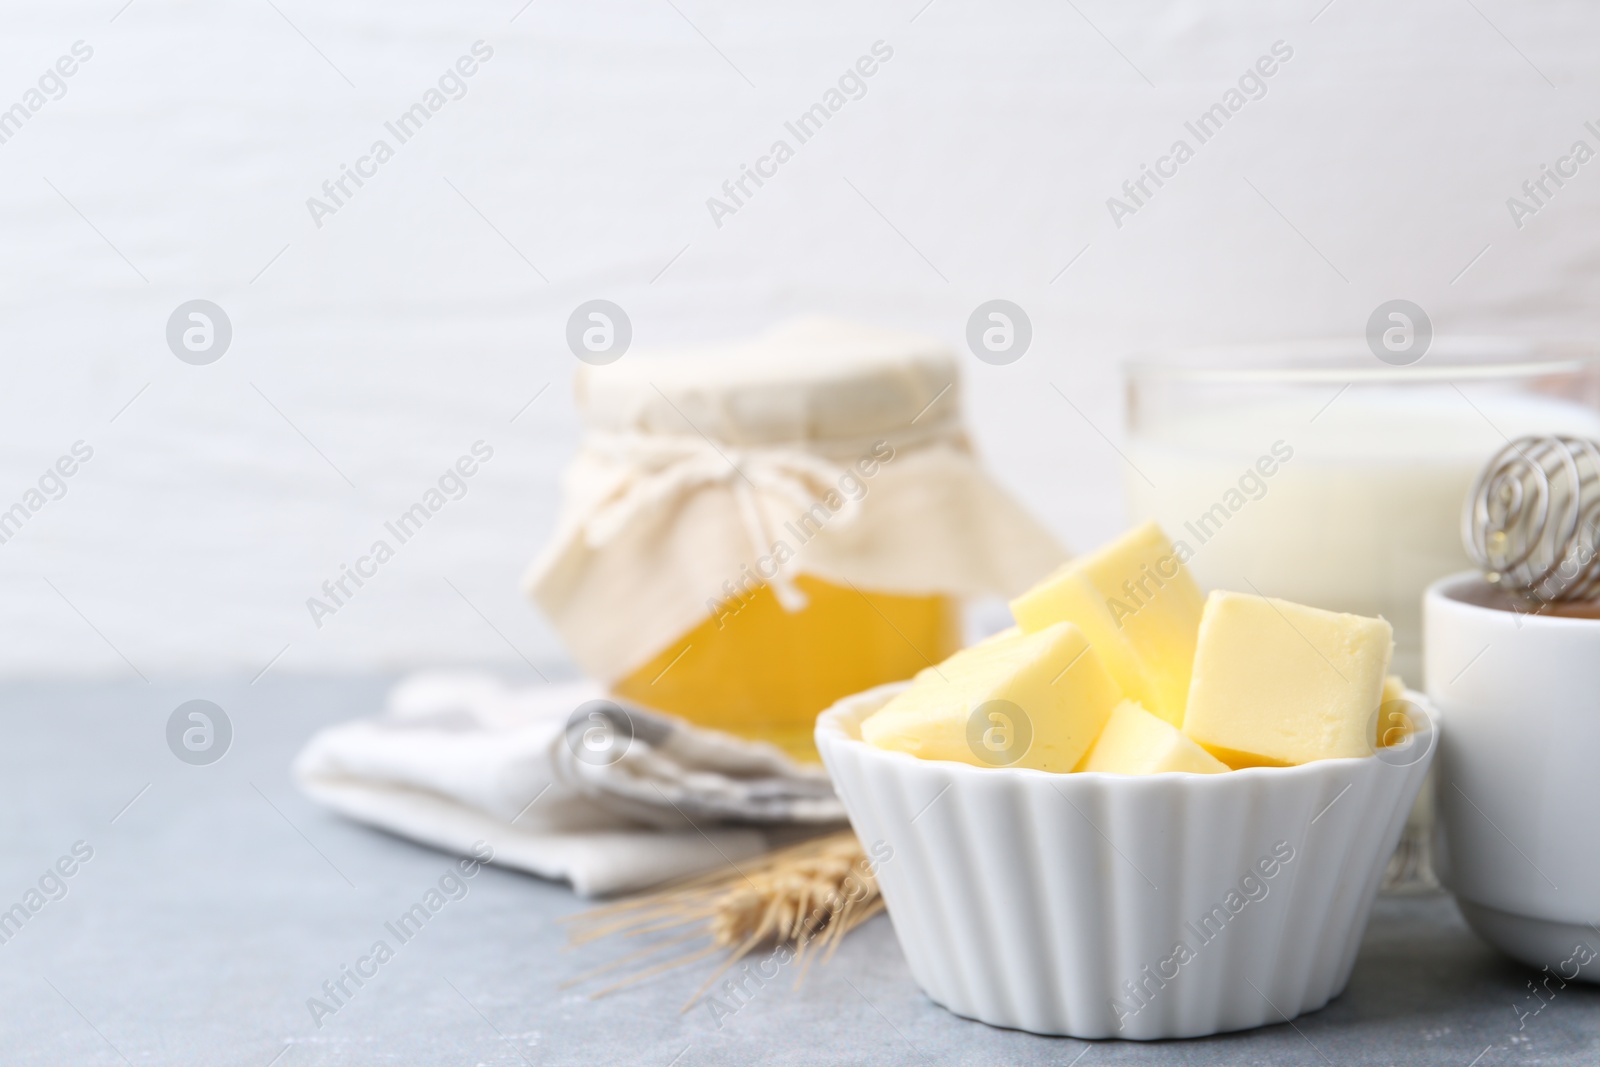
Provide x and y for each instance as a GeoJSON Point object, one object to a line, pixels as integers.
{"type": "Point", "coordinates": [1532, 519]}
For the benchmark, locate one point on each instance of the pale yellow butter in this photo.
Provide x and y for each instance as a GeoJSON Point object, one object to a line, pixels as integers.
{"type": "Point", "coordinates": [1138, 606]}
{"type": "Point", "coordinates": [1020, 700]}
{"type": "Point", "coordinates": [1136, 742]}
{"type": "Point", "coordinates": [963, 655]}
{"type": "Point", "coordinates": [1394, 688]}
{"type": "Point", "coordinates": [1394, 714]}
{"type": "Point", "coordinates": [1280, 683]}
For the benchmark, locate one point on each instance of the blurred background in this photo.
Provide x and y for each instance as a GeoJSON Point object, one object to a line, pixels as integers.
{"type": "Point", "coordinates": [373, 344]}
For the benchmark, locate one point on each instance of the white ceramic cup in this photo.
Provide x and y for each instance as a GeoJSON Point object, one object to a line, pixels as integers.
{"type": "Point", "coordinates": [1518, 774]}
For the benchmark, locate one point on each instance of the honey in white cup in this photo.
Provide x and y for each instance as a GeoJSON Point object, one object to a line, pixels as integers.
{"type": "Point", "coordinates": [1517, 689]}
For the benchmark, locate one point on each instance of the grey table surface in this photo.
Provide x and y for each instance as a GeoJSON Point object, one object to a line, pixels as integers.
{"type": "Point", "coordinates": [218, 900]}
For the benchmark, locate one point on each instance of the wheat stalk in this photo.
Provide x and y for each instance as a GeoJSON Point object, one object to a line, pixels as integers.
{"type": "Point", "coordinates": [808, 895]}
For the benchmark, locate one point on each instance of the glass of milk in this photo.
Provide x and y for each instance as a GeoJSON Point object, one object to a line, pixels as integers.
{"type": "Point", "coordinates": [1317, 473]}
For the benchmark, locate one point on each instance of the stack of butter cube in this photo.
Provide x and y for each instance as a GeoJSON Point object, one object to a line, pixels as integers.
{"type": "Point", "coordinates": [1118, 663]}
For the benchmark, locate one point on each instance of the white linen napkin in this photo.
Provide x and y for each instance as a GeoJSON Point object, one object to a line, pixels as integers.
{"type": "Point", "coordinates": [562, 781]}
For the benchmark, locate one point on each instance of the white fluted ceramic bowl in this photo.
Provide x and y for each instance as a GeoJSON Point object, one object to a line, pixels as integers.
{"type": "Point", "coordinates": [1055, 903]}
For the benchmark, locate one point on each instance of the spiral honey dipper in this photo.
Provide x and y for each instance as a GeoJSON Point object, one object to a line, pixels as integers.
{"type": "Point", "coordinates": [1532, 519]}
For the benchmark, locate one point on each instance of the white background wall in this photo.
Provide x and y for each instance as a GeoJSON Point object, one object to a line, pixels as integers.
{"type": "Point", "coordinates": [405, 328]}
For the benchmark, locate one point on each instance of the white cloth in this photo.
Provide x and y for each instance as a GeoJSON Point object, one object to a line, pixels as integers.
{"type": "Point", "coordinates": [611, 803]}
{"type": "Point", "coordinates": [696, 467]}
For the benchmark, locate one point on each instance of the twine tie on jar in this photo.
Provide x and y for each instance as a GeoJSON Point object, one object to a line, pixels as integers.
{"type": "Point", "coordinates": [656, 471]}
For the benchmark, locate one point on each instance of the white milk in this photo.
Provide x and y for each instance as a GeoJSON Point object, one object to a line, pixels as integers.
{"type": "Point", "coordinates": [1362, 517]}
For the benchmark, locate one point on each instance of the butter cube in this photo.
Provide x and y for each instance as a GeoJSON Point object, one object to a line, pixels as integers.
{"type": "Point", "coordinates": [1136, 742]}
{"type": "Point", "coordinates": [1394, 723]}
{"type": "Point", "coordinates": [961, 656]}
{"type": "Point", "coordinates": [1137, 604]}
{"type": "Point", "coordinates": [1277, 683]}
{"type": "Point", "coordinates": [1394, 688]}
{"type": "Point", "coordinates": [1021, 700]}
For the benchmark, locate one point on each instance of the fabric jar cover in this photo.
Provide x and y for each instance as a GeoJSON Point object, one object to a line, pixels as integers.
{"type": "Point", "coordinates": [821, 448]}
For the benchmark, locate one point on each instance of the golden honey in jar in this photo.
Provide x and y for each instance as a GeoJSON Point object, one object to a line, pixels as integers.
{"type": "Point", "coordinates": [752, 531]}
{"type": "Point", "coordinates": [765, 672]}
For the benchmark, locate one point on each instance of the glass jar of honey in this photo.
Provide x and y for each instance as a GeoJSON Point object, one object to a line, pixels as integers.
{"type": "Point", "coordinates": [751, 532]}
